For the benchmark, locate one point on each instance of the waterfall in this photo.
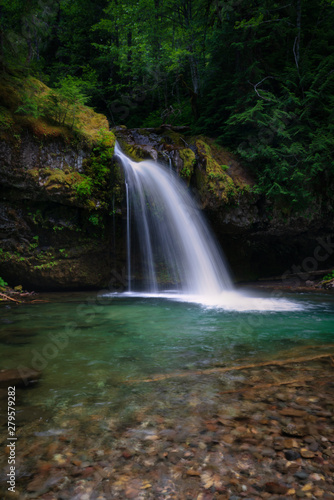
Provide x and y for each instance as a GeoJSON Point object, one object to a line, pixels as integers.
{"type": "Point", "coordinates": [175, 243]}
{"type": "Point", "coordinates": [128, 235]}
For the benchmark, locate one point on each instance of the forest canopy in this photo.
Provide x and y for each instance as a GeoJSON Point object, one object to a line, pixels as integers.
{"type": "Point", "coordinates": [256, 75]}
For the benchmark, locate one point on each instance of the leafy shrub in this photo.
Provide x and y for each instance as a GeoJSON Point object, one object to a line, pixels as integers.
{"type": "Point", "coordinates": [84, 188]}
{"type": "Point", "coordinates": [3, 282]}
{"type": "Point", "coordinates": [329, 276]}
{"type": "Point", "coordinates": [95, 219]}
{"type": "Point", "coordinates": [60, 104]}
{"type": "Point", "coordinates": [63, 104]}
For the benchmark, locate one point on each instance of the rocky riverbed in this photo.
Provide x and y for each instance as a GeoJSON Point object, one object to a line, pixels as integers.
{"type": "Point", "coordinates": [260, 431]}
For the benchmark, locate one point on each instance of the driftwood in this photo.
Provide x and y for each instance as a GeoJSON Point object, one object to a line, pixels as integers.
{"type": "Point", "coordinates": [10, 298]}
{"type": "Point", "coordinates": [279, 362]}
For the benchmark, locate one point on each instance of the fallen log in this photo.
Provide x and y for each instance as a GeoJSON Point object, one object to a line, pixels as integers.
{"type": "Point", "coordinates": [279, 362]}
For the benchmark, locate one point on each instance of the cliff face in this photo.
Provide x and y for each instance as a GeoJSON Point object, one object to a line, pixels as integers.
{"type": "Point", "coordinates": [56, 191]}
{"type": "Point", "coordinates": [55, 228]}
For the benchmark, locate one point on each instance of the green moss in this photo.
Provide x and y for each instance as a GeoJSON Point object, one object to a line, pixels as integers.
{"type": "Point", "coordinates": [98, 167]}
{"type": "Point", "coordinates": [173, 137]}
{"type": "Point", "coordinates": [189, 160]}
{"type": "Point", "coordinates": [7, 256]}
{"type": "Point", "coordinates": [96, 219]}
{"type": "Point", "coordinates": [22, 109]}
{"type": "Point", "coordinates": [218, 182]}
{"type": "Point", "coordinates": [72, 184]}
{"type": "Point", "coordinates": [83, 188]}
{"type": "Point", "coordinates": [6, 119]}
{"type": "Point", "coordinates": [47, 265]}
{"type": "Point", "coordinates": [134, 152]}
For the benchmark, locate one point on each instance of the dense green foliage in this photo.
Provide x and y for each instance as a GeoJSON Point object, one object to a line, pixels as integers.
{"type": "Point", "coordinates": [257, 75]}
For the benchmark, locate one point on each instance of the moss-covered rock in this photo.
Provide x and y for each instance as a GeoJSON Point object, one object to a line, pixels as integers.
{"type": "Point", "coordinates": [56, 192]}
{"type": "Point", "coordinates": [214, 180]}
{"type": "Point", "coordinates": [188, 158]}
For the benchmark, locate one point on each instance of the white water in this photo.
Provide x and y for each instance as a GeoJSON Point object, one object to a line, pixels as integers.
{"type": "Point", "coordinates": [128, 235]}
{"type": "Point", "coordinates": [176, 244]}
{"type": "Point", "coordinates": [173, 236]}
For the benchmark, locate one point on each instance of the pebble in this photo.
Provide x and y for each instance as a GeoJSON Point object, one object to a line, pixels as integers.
{"type": "Point", "coordinates": [291, 455]}
{"type": "Point", "coordinates": [301, 475]}
{"type": "Point", "coordinates": [307, 487]}
{"type": "Point", "coordinates": [313, 446]}
{"type": "Point", "coordinates": [317, 477]}
{"type": "Point", "coordinates": [276, 488]}
{"type": "Point", "coordinates": [305, 453]}
{"type": "Point", "coordinates": [292, 412]}
{"type": "Point", "coordinates": [292, 430]}
{"type": "Point", "coordinates": [290, 443]}
{"type": "Point", "coordinates": [268, 452]}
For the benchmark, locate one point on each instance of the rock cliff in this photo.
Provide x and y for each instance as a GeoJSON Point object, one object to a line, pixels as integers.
{"type": "Point", "coordinates": [56, 192]}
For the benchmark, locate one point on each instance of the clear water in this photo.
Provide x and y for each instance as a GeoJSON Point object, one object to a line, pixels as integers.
{"type": "Point", "coordinates": [88, 347]}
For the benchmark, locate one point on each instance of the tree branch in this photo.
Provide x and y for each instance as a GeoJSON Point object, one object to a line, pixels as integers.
{"type": "Point", "coordinates": [6, 297]}
{"type": "Point", "coordinates": [255, 86]}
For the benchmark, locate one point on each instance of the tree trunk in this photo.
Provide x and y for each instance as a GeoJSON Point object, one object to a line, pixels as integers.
{"type": "Point", "coordinates": [297, 39]}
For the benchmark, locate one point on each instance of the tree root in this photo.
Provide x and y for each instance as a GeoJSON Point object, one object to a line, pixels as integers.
{"type": "Point", "coordinates": [157, 378]}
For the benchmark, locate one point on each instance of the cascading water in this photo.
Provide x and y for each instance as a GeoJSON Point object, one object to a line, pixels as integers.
{"type": "Point", "coordinates": [175, 242]}
{"type": "Point", "coordinates": [170, 164]}
{"type": "Point", "coordinates": [128, 235]}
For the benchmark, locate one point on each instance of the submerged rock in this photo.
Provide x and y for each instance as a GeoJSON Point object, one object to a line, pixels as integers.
{"type": "Point", "coordinates": [18, 377]}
